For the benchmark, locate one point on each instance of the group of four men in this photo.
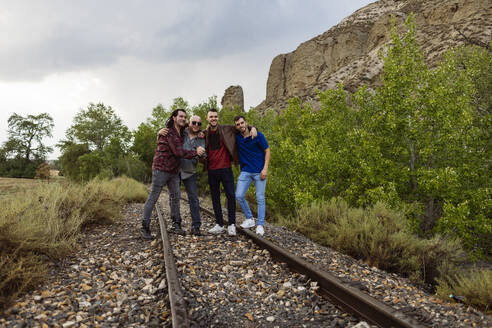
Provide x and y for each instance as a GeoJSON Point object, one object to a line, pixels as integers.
{"type": "Point", "coordinates": [179, 148]}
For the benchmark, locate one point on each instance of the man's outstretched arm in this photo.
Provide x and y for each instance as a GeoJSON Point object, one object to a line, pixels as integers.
{"type": "Point", "coordinates": [264, 172]}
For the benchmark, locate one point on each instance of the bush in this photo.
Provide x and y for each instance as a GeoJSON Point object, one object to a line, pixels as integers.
{"type": "Point", "coordinates": [44, 222]}
{"type": "Point", "coordinates": [474, 285]}
{"type": "Point", "coordinates": [377, 235]}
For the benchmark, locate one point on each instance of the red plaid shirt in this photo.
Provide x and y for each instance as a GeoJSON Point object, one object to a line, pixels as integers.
{"type": "Point", "coordinates": [169, 151]}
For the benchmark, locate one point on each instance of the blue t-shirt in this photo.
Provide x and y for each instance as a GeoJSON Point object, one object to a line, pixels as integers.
{"type": "Point", "coordinates": [251, 152]}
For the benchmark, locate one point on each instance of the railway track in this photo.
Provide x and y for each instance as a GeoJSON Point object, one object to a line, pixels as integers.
{"type": "Point", "coordinates": [240, 275]}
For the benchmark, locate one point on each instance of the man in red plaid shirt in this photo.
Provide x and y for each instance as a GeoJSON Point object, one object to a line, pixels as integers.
{"type": "Point", "coordinates": [165, 170]}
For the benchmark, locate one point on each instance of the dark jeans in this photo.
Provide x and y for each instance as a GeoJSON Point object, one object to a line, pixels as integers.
{"type": "Point", "coordinates": [159, 178]}
{"type": "Point", "coordinates": [192, 191]}
{"type": "Point", "coordinates": [215, 177]}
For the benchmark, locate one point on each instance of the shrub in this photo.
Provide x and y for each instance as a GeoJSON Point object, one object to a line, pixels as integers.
{"type": "Point", "coordinates": [43, 223]}
{"type": "Point", "coordinates": [474, 285]}
{"type": "Point", "coordinates": [378, 235]}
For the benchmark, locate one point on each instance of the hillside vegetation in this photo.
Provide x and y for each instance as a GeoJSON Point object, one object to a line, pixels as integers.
{"type": "Point", "coordinates": [409, 163]}
{"type": "Point", "coordinates": [42, 223]}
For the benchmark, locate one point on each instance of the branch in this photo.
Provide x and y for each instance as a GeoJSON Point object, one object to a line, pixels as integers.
{"type": "Point", "coordinates": [473, 41]}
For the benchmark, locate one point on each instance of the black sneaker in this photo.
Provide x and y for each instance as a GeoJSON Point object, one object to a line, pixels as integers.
{"type": "Point", "coordinates": [195, 231]}
{"type": "Point", "coordinates": [176, 228]}
{"type": "Point", "coordinates": [146, 234]}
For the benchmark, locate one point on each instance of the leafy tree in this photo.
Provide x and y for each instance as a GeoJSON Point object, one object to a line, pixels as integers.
{"type": "Point", "coordinates": [69, 159]}
{"type": "Point", "coordinates": [202, 108]}
{"type": "Point", "coordinates": [25, 135]}
{"type": "Point", "coordinates": [420, 143]}
{"type": "Point", "coordinates": [97, 126]}
{"type": "Point", "coordinates": [24, 151]}
{"type": "Point", "coordinates": [179, 102]}
{"type": "Point", "coordinates": [97, 144]}
{"type": "Point", "coordinates": [144, 143]}
{"type": "Point", "coordinates": [145, 137]}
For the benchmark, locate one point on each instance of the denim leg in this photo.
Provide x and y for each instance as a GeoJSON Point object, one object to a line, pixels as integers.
{"type": "Point", "coordinates": [228, 183]}
{"type": "Point", "coordinates": [214, 183]}
{"type": "Point", "coordinates": [243, 182]}
{"type": "Point", "coordinates": [192, 191]}
{"type": "Point", "coordinates": [174, 197]}
{"type": "Point", "coordinates": [158, 180]}
{"type": "Point", "coordinates": [260, 186]}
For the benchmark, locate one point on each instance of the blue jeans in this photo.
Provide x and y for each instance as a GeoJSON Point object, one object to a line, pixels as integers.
{"type": "Point", "coordinates": [159, 178]}
{"type": "Point", "coordinates": [243, 183]}
{"type": "Point", "coordinates": [215, 177]}
{"type": "Point", "coordinates": [192, 191]}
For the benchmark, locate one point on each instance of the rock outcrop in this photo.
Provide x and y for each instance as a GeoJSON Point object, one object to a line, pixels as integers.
{"type": "Point", "coordinates": [348, 52]}
{"type": "Point", "coordinates": [233, 98]}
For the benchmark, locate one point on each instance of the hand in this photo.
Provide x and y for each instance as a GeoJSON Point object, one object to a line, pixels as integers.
{"type": "Point", "coordinates": [201, 135]}
{"type": "Point", "coordinates": [254, 134]}
{"type": "Point", "coordinates": [200, 150]}
{"type": "Point", "coordinates": [163, 131]}
{"type": "Point", "coordinates": [263, 174]}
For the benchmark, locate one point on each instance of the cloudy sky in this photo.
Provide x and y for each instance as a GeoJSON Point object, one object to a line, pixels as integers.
{"type": "Point", "coordinates": [57, 56]}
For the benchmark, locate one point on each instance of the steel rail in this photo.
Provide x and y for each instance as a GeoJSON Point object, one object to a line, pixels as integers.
{"type": "Point", "coordinates": [347, 297]}
{"type": "Point", "coordinates": [179, 312]}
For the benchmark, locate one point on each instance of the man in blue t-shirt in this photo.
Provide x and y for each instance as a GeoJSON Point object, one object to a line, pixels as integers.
{"type": "Point", "coordinates": [254, 157]}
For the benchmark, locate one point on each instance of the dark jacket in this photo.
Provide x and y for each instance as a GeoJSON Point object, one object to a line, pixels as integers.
{"type": "Point", "coordinates": [169, 151]}
{"type": "Point", "coordinates": [228, 134]}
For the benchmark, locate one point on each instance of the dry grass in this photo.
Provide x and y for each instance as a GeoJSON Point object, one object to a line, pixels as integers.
{"type": "Point", "coordinates": [10, 186]}
{"type": "Point", "coordinates": [43, 221]}
{"type": "Point", "coordinates": [378, 236]}
{"type": "Point", "coordinates": [381, 238]}
{"type": "Point", "coordinates": [474, 285]}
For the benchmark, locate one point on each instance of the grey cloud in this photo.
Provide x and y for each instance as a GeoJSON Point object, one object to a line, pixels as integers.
{"type": "Point", "coordinates": [91, 34]}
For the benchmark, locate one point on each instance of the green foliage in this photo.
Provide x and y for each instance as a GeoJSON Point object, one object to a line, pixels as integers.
{"type": "Point", "coordinates": [202, 108]}
{"type": "Point", "coordinates": [145, 137]}
{"type": "Point", "coordinates": [26, 135]}
{"type": "Point", "coordinates": [24, 150]}
{"type": "Point", "coordinates": [69, 157]}
{"type": "Point", "coordinates": [377, 235]}
{"type": "Point", "coordinates": [420, 143]}
{"type": "Point", "coordinates": [98, 145]}
{"type": "Point", "coordinates": [474, 285]}
{"type": "Point", "coordinates": [97, 126]}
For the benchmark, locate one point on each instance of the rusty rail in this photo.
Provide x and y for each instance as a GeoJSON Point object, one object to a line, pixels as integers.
{"type": "Point", "coordinates": [347, 297]}
{"type": "Point", "coordinates": [179, 311]}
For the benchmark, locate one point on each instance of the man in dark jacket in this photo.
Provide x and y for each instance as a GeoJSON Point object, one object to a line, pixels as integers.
{"type": "Point", "coordinates": [165, 170]}
{"type": "Point", "coordinates": [221, 151]}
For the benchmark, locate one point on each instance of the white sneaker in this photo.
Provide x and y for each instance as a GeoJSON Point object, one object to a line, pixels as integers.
{"type": "Point", "coordinates": [248, 223]}
{"type": "Point", "coordinates": [259, 230]}
{"type": "Point", "coordinates": [231, 230]}
{"type": "Point", "coordinates": [216, 229]}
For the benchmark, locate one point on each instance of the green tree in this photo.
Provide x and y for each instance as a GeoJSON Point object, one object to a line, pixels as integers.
{"type": "Point", "coordinates": [24, 150]}
{"type": "Point", "coordinates": [145, 136]}
{"type": "Point", "coordinates": [420, 143]}
{"type": "Point", "coordinates": [25, 136]}
{"type": "Point", "coordinates": [69, 159]}
{"type": "Point", "coordinates": [97, 126]}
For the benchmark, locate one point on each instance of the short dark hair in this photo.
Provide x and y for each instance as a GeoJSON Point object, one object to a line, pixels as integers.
{"type": "Point", "coordinates": [212, 110]}
{"type": "Point", "coordinates": [238, 117]}
{"type": "Point", "coordinates": [170, 121]}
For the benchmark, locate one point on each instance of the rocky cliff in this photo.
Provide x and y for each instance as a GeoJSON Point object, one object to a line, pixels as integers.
{"type": "Point", "coordinates": [233, 98]}
{"type": "Point", "coordinates": [348, 52]}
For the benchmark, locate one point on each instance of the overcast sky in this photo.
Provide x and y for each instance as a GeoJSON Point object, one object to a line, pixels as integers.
{"type": "Point", "coordinates": [57, 56]}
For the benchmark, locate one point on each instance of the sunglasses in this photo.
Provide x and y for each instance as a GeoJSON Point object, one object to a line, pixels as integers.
{"type": "Point", "coordinates": [196, 123]}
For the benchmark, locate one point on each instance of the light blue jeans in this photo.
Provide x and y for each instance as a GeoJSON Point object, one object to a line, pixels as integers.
{"type": "Point", "coordinates": [243, 183]}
